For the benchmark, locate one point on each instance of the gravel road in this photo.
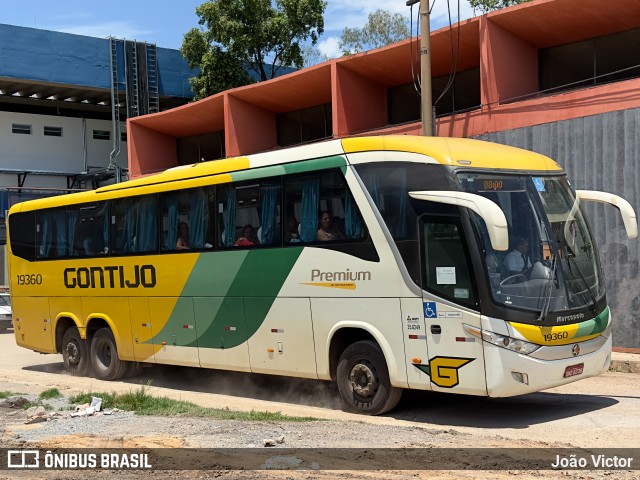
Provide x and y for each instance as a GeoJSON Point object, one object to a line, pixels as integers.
{"type": "Point", "coordinates": [601, 412]}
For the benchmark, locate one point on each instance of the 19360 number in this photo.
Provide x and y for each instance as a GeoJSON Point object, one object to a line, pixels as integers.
{"type": "Point", "coordinates": [556, 336]}
{"type": "Point", "coordinates": [35, 279]}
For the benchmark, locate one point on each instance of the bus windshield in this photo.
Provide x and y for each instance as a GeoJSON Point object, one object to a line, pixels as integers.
{"type": "Point", "coordinates": [552, 264]}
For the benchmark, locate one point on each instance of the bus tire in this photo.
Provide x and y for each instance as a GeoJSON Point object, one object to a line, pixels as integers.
{"type": "Point", "coordinates": [363, 380]}
{"type": "Point", "coordinates": [104, 356]}
{"type": "Point", "coordinates": [75, 353]}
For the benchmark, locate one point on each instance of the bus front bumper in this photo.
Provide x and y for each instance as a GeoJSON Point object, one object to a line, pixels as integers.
{"type": "Point", "coordinates": [509, 373]}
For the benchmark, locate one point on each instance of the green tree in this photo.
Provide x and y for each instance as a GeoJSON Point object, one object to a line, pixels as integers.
{"type": "Point", "coordinates": [219, 70]}
{"type": "Point", "coordinates": [240, 35]}
{"type": "Point", "coordinates": [312, 56]}
{"type": "Point", "coordinates": [382, 28]}
{"type": "Point", "coordinates": [488, 5]}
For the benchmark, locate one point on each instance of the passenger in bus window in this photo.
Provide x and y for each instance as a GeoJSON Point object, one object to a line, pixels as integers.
{"type": "Point", "coordinates": [248, 237]}
{"type": "Point", "coordinates": [327, 230]}
{"type": "Point", "coordinates": [292, 233]}
{"type": "Point", "coordinates": [183, 237]}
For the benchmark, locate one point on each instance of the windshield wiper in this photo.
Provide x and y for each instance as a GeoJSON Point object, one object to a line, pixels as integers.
{"type": "Point", "coordinates": [594, 302]}
{"type": "Point", "coordinates": [553, 279]}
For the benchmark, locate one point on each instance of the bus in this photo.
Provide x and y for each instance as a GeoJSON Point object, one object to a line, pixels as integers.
{"type": "Point", "coordinates": [382, 263]}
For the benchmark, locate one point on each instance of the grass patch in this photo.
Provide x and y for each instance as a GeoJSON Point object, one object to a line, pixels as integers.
{"type": "Point", "coordinates": [51, 393]}
{"type": "Point", "coordinates": [6, 394]}
{"type": "Point", "coordinates": [39, 403]}
{"type": "Point", "coordinates": [140, 402]}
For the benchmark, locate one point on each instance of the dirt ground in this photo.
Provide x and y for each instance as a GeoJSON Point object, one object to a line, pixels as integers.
{"type": "Point", "coordinates": [603, 412]}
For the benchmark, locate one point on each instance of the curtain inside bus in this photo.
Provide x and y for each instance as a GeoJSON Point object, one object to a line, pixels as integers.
{"type": "Point", "coordinates": [309, 215]}
{"type": "Point", "coordinates": [198, 217]}
{"type": "Point", "coordinates": [269, 212]}
{"type": "Point", "coordinates": [352, 221]}
{"type": "Point", "coordinates": [229, 217]}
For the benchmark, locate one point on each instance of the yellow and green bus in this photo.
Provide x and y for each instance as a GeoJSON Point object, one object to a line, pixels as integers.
{"type": "Point", "coordinates": [381, 263]}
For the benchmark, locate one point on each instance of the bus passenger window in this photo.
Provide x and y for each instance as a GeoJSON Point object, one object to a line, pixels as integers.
{"type": "Point", "coordinates": [135, 224]}
{"type": "Point", "coordinates": [51, 234]}
{"type": "Point", "coordinates": [186, 221]}
{"type": "Point", "coordinates": [249, 214]}
{"type": "Point", "coordinates": [324, 206]}
{"type": "Point", "coordinates": [88, 226]}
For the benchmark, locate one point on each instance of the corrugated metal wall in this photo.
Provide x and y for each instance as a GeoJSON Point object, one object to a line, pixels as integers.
{"type": "Point", "coordinates": [600, 152]}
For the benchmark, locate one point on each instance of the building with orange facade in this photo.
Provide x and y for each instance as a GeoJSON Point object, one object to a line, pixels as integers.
{"type": "Point", "coordinates": [561, 77]}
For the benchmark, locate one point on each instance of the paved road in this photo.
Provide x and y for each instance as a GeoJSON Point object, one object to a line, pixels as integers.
{"type": "Point", "coordinates": [602, 411]}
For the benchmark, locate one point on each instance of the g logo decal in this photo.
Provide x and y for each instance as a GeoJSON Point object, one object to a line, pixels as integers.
{"type": "Point", "coordinates": [444, 370]}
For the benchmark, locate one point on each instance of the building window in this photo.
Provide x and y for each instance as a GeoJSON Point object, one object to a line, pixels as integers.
{"type": "Point", "coordinates": [461, 94]}
{"type": "Point", "coordinates": [101, 135]}
{"type": "Point", "coordinates": [53, 131]}
{"type": "Point", "coordinates": [21, 128]}
{"type": "Point", "coordinates": [123, 136]}
{"type": "Point", "coordinates": [305, 125]}
{"type": "Point", "coordinates": [403, 104]}
{"type": "Point", "coordinates": [200, 148]}
{"type": "Point", "coordinates": [595, 61]}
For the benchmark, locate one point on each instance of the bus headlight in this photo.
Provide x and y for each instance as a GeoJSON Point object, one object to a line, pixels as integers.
{"type": "Point", "coordinates": [514, 344]}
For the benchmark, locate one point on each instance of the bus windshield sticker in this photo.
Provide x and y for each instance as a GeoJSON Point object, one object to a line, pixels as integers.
{"type": "Point", "coordinates": [461, 292]}
{"type": "Point", "coordinates": [539, 183]}
{"type": "Point", "coordinates": [446, 275]}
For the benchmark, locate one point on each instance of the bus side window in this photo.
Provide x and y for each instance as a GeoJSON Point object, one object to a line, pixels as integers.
{"type": "Point", "coordinates": [134, 224]}
{"type": "Point", "coordinates": [51, 234]}
{"type": "Point", "coordinates": [23, 235]}
{"type": "Point", "coordinates": [88, 230]}
{"type": "Point", "coordinates": [312, 196]}
{"type": "Point", "coordinates": [192, 208]}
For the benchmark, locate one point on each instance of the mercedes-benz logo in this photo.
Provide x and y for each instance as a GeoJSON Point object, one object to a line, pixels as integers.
{"type": "Point", "coordinates": [575, 350]}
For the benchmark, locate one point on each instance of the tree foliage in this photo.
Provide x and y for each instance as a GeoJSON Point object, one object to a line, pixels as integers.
{"type": "Point", "coordinates": [219, 70]}
{"type": "Point", "coordinates": [240, 35]}
{"type": "Point", "coordinates": [312, 56]}
{"type": "Point", "coordinates": [488, 5]}
{"type": "Point", "coordinates": [382, 28]}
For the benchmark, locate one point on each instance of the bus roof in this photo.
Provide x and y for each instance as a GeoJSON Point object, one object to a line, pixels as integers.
{"type": "Point", "coordinates": [455, 152]}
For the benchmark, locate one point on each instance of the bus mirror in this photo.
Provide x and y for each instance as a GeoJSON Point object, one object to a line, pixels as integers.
{"type": "Point", "coordinates": [491, 213]}
{"type": "Point", "coordinates": [626, 210]}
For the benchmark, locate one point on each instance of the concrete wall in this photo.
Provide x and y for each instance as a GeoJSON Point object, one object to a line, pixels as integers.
{"type": "Point", "coordinates": [600, 152]}
{"type": "Point", "coordinates": [48, 153]}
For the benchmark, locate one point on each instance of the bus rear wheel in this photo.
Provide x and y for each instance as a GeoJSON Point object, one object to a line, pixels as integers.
{"type": "Point", "coordinates": [104, 356]}
{"type": "Point", "coordinates": [75, 354]}
{"type": "Point", "coordinates": [363, 380]}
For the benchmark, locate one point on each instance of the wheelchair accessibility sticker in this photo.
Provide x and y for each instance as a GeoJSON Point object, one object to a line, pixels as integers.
{"type": "Point", "coordinates": [430, 310]}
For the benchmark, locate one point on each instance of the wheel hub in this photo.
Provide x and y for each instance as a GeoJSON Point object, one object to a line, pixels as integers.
{"type": "Point", "coordinates": [363, 379]}
{"type": "Point", "coordinates": [73, 353]}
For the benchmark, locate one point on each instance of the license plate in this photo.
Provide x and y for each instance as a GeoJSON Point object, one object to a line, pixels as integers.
{"type": "Point", "coordinates": [572, 370]}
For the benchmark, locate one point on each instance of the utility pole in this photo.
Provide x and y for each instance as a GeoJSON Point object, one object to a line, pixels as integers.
{"type": "Point", "coordinates": [425, 67]}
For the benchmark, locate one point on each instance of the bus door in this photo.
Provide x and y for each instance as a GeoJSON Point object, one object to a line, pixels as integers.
{"type": "Point", "coordinates": [141, 329]}
{"type": "Point", "coordinates": [456, 361]}
{"type": "Point", "coordinates": [175, 341]}
{"type": "Point", "coordinates": [222, 341]}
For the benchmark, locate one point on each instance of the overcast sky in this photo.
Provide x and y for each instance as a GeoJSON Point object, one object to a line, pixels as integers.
{"type": "Point", "coordinates": [165, 23]}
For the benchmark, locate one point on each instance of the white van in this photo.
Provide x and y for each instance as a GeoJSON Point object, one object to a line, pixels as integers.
{"type": "Point", "coordinates": [5, 312]}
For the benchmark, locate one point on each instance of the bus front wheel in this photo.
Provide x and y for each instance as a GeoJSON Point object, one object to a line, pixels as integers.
{"type": "Point", "coordinates": [363, 380]}
{"type": "Point", "coordinates": [75, 354]}
{"type": "Point", "coordinates": [104, 356]}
